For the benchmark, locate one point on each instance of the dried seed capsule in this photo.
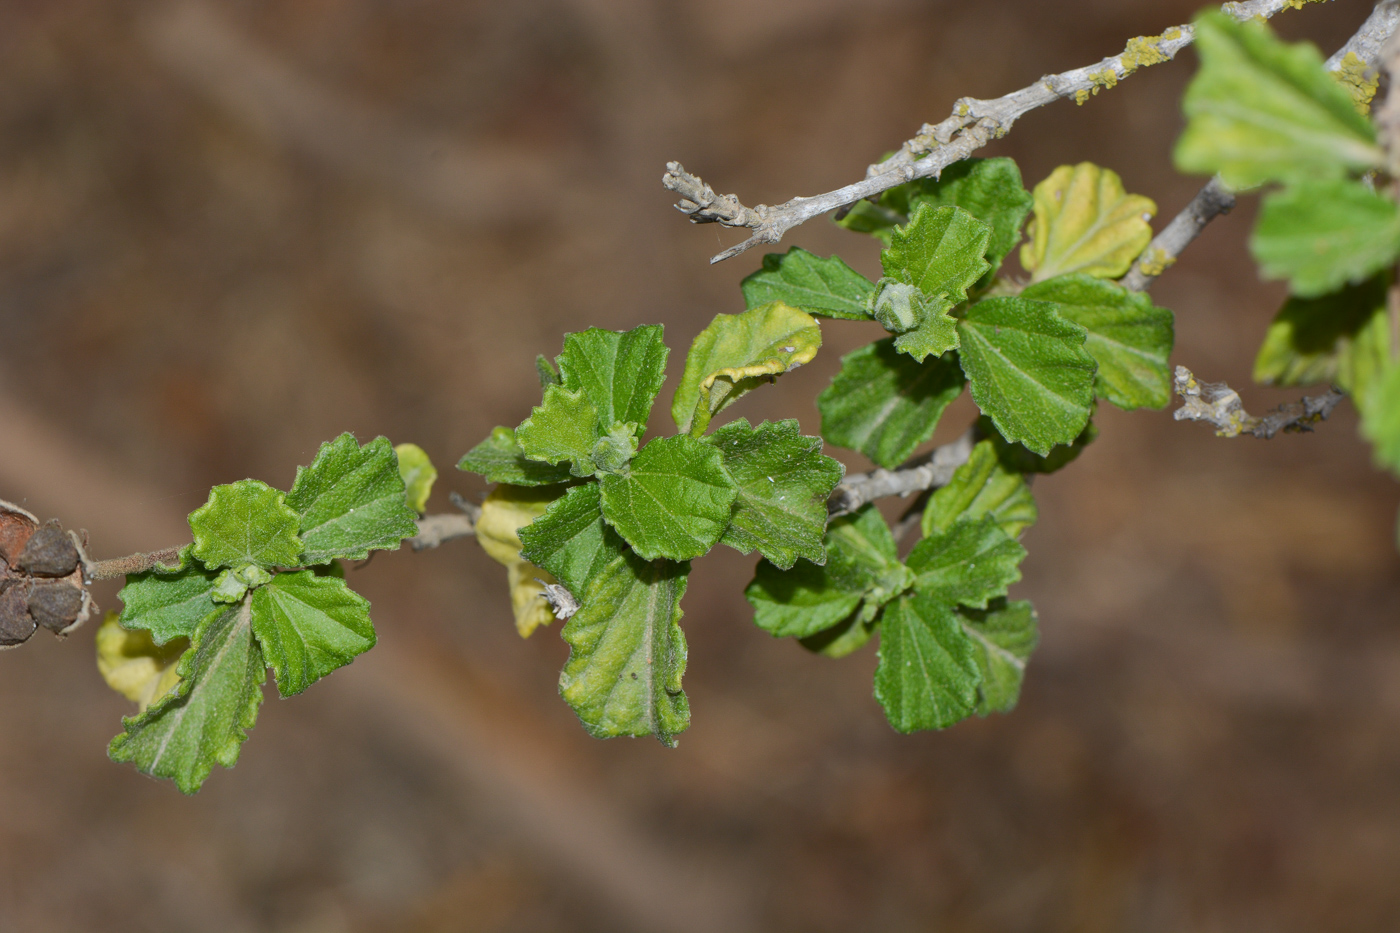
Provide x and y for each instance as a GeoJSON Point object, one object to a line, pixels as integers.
{"type": "Point", "coordinates": [16, 625]}
{"type": "Point", "coordinates": [16, 525]}
{"type": "Point", "coordinates": [55, 606]}
{"type": "Point", "coordinates": [49, 553]}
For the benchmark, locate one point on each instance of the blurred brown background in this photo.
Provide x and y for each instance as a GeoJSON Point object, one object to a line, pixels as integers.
{"type": "Point", "coordinates": [230, 231]}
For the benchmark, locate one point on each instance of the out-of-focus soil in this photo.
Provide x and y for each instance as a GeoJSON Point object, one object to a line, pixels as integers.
{"type": "Point", "coordinates": [231, 231]}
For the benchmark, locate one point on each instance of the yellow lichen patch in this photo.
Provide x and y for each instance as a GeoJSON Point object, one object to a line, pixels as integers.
{"type": "Point", "coordinates": [134, 665]}
{"type": "Point", "coordinates": [1085, 222]}
{"type": "Point", "coordinates": [1081, 95]}
{"type": "Point", "coordinates": [1155, 261]}
{"type": "Point", "coordinates": [503, 514]}
{"type": "Point", "coordinates": [1360, 80]}
{"type": "Point", "coordinates": [1142, 52]}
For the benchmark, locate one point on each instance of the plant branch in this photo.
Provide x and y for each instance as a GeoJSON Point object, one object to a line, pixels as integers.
{"type": "Point", "coordinates": [133, 563]}
{"type": "Point", "coordinates": [972, 125]}
{"type": "Point", "coordinates": [925, 471]}
{"type": "Point", "coordinates": [1220, 405]}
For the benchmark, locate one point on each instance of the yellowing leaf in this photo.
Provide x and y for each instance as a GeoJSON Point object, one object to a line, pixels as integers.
{"type": "Point", "coordinates": [133, 665]}
{"type": "Point", "coordinates": [1085, 222]}
{"type": "Point", "coordinates": [735, 353]}
{"type": "Point", "coordinates": [503, 514]}
{"type": "Point", "coordinates": [418, 474]}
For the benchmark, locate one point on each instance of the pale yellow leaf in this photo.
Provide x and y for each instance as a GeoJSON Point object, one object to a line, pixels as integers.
{"type": "Point", "coordinates": [134, 665]}
{"type": "Point", "coordinates": [503, 514]}
{"type": "Point", "coordinates": [1085, 222]}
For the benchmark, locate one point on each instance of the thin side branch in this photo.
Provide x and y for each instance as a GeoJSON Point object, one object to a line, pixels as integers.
{"type": "Point", "coordinates": [117, 567]}
{"type": "Point", "coordinates": [433, 530]}
{"type": "Point", "coordinates": [972, 125]}
{"type": "Point", "coordinates": [1209, 203]}
{"type": "Point", "coordinates": [926, 471]}
{"type": "Point", "coordinates": [1220, 405]}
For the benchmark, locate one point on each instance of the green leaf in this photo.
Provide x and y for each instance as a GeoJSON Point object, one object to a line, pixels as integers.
{"type": "Point", "coordinates": [500, 459]}
{"type": "Point", "coordinates": [674, 502]}
{"type": "Point", "coordinates": [824, 287]}
{"type": "Point", "coordinates": [352, 501]}
{"type": "Point", "coordinates": [1129, 338]}
{"type": "Point", "coordinates": [923, 323]}
{"type": "Point", "coordinates": [862, 565]}
{"type": "Point", "coordinates": [884, 403]}
{"type": "Point", "coordinates": [308, 626]}
{"type": "Point", "coordinates": [206, 718]}
{"type": "Point", "coordinates": [1015, 458]}
{"type": "Point", "coordinates": [615, 448]}
{"type": "Point", "coordinates": [981, 486]}
{"type": "Point", "coordinates": [564, 427]}
{"type": "Point", "coordinates": [627, 652]}
{"type": "Point", "coordinates": [1380, 417]}
{"type": "Point", "coordinates": [168, 603]}
{"type": "Point", "coordinates": [737, 353]}
{"type": "Point", "coordinates": [940, 252]}
{"type": "Point", "coordinates": [247, 522]}
{"type": "Point", "coordinates": [927, 675]}
{"type": "Point", "coordinates": [1027, 369]}
{"type": "Point", "coordinates": [1341, 338]}
{"type": "Point", "coordinates": [1263, 110]}
{"type": "Point", "coordinates": [841, 639]}
{"type": "Point", "coordinates": [548, 375]}
{"type": "Point", "coordinates": [571, 540]}
{"type": "Point", "coordinates": [620, 371]}
{"type": "Point", "coordinates": [1085, 222]}
{"type": "Point", "coordinates": [418, 474]}
{"type": "Point", "coordinates": [783, 482]}
{"type": "Point", "coordinates": [972, 562]}
{"type": "Point", "coordinates": [988, 189]}
{"type": "Point", "coordinates": [1004, 635]}
{"type": "Point", "coordinates": [1322, 235]}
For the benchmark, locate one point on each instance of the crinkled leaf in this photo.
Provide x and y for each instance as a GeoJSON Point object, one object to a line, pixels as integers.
{"type": "Point", "coordinates": [738, 352]}
{"type": "Point", "coordinates": [924, 325]}
{"type": "Point", "coordinates": [247, 522]}
{"type": "Point", "coordinates": [627, 652]}
{"type": "Point", "coordinates": [939, 252]}
{"type": "Point", "coordinates": [972, 562]}
{"type": "Point", "coordinates": [884, 403]}
{"type": "Point", "coordinates": [927, 675]}
{"type": "Point", "coordinates": [783, 482]}
{"type": "Point", "coordinates": [352, 501]}
{"type": "Point", "coordinates": [419, 474]}
{"type": "Point", "coordinates": [981, 486]}
{"type": "Point", "coordinates": [134, 665]}
{"type": "Point", "coordinates": [207, 717]}
{"type": "Point", "coordinates": [570, 540]}
{"type": "Point", "coordinates": [1341, 338]}
{"type": "Point", "coordinates": [309, 625]}
{"type": "Point", "coordinates": [505, 515]}
{"type": "Point", "coordinates": [824, 287]}
{"type": "Point", "coordinates": [1004, 635]}
{"type": "Point", "coordinates": [1129, 337]}
{"type": "Point", "coordinates": [1321, 235]}
{"type": "Point", "coordinates": [1015, 458]}
{"type": "Point", "coordinates": [564, 427]}
{"type": "Point", "coordinates": [500, 459]}
{"type": "Point", "coordinates": [1263, 110]}
{"type": "Point", "coordinates": [1028, 370]}
{"type": "Point", "coordinates": [169, 602]}
{"type": "Point", "coordinates": [1085, 222]}
{"type": "Point", "coordinates": [1380, 417]}
{"type": "Point", "coordinates": [675, 500]}
{"type": "Point", "coordinates": [861, 565]}
{"type": "Point", "coordinates": [619, 371]}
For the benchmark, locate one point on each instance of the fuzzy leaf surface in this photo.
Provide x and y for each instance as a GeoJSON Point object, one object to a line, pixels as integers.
{"type": "Point", "coordinates": [247, 522]}
{"type": "Point", "coordinates": [1004, 635]}
{"type": "Point", "coordinates": [571, 540]}
{"type": "Point", "coordinates": [940, 252]}
{"type": "Point", "coordinates": [927, 675]}
{"type": "Point", "coordinates": [982, 486]}
{"type": "Point", "coordinates": [1128, 337]}
{"type": "Point", "coordinates": [1341, 338]}
{"type": "Point", "coordinates": [674, 502]}
{"type": "Point", "coordinates": [1321, 235]}
{"type": "Point", "coordinates": [824, 287]}
{"type": "Point", "coordinates": [206, 719]}
{"type": "Point", "coordinates": [736, 354]}
{"type": "Point", "coordinates": [627, 652]}
{"type": "Point", "coordinates": [168, 603]}
{"type": "Point", "coordinates": [884, 403]}
{"type": "Point", "coordinates": [783, 482]}
{"type": "Point", "coordinates": [1028, 370]}
{"type": "Point", "coordinates": [620, 372]}
{"type": "Point", "coordinates": [309, 625]}
{"type": "Point", "coordinates": [1086, 222]}
{"type": "Point", "coordinates": [419, 474]}
{"type": "Point", "coordinates": [1263, 110]}
{"type": "Point", "coordinates": [974, 561]}
{"type": "Point", "coordinates": [500, 459]}
{"type": "Point", "coordinates": [562, 428]}
{"type": "Point", "coordinates": [351, 500]}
